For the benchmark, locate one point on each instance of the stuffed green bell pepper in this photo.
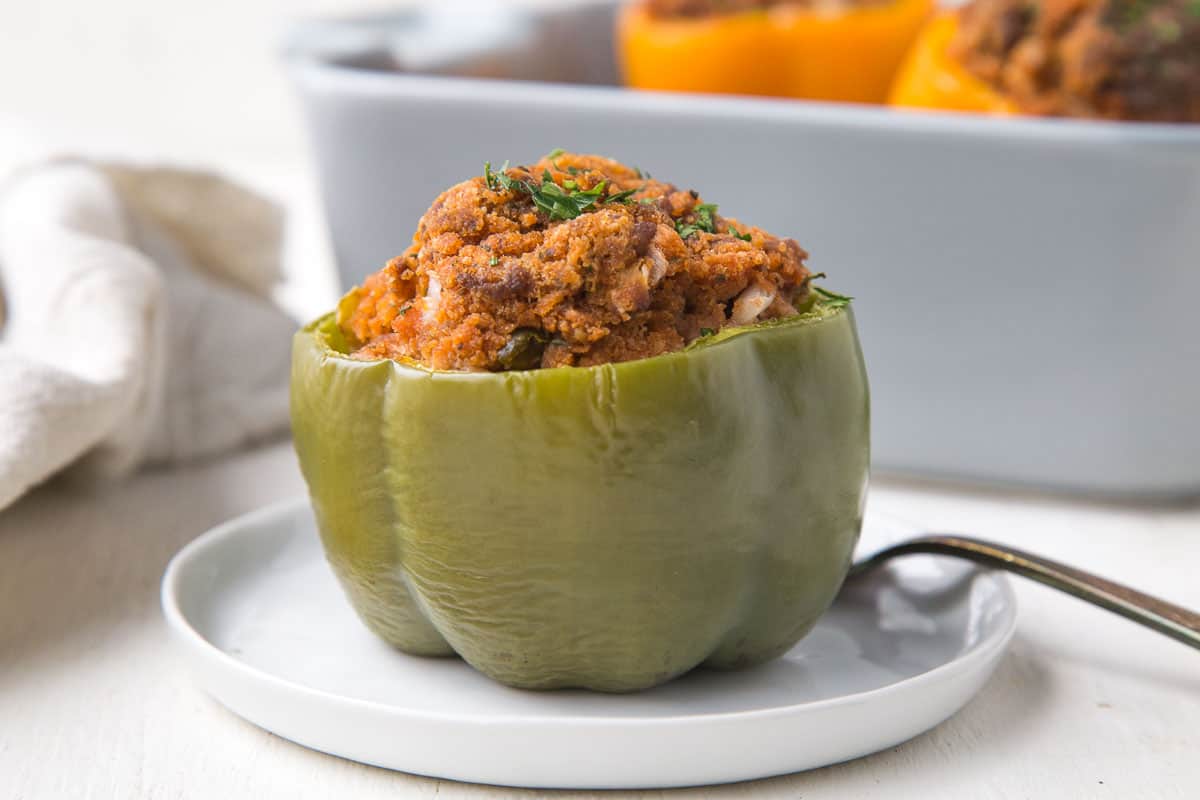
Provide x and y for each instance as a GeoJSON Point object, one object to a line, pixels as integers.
{"type": "Point", "coordinates": [586, 432]}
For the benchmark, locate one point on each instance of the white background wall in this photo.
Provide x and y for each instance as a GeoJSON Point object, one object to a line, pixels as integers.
{"type": "Point", "coordinates": [187, 79]}
{"type": "Point", "coordinates": [187, 82]}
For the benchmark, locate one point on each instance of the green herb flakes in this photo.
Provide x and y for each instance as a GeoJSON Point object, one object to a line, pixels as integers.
{"type": "Point", "coordinates": [622, 197]}
{"type": "Point", "coordinates": [705, 220]}
{"type": "Point", "coordinates": [832, 299]}
{"type": "Point", "coordinates": [498, 180]}
{"type": "Point", "coordinates": [557, 202]}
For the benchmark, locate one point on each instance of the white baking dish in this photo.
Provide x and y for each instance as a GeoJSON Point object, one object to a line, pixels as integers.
{"type": "Point", "coordinates": [1026, 289]}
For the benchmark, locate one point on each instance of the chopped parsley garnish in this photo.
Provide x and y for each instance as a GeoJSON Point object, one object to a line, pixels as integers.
{"type": "Point", "coordinates": [493, 261]}
{"type": "Point", "coordinates": [498, 180]}
{"type": "Point", "coordinates": [556, 202]}
{"type": "Point", "coordinates": [704, 215]}
{"type": "Point", "coordinates": [555, 153]}
{"type": "Point", "coordinates": [745, 237]}
{"type": "Point", "coordinates": [830, 298]}
{"type": "Point", "coordinates": [622, 197]}
{"type": "Point", "coordinates": [707, 331]}
{"type": "Point", "coordinates": [833, 299]}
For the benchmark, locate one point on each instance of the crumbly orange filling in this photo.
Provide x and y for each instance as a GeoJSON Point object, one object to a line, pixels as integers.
{"type": "Point", "coordinates": [1110, 59]}
{"type": "Point", "coordinates": [574, 260]}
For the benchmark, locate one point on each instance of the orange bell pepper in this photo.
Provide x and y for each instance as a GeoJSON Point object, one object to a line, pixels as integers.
{"type": "Point", "coordinates": [931, 78]}
{"type": "Point", "coordinates": [787, 51]}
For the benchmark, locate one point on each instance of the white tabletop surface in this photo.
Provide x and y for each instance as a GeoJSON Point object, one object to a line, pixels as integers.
{"type": "Point", "coordinates": [93, 704]}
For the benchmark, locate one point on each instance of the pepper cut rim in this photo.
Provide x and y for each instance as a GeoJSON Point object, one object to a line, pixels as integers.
{"type": "Point", "coordinates": [333, 343]}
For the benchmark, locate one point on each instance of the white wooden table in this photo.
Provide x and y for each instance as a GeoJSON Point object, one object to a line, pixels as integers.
{"type": "Point", "coordinates": [93, 703]}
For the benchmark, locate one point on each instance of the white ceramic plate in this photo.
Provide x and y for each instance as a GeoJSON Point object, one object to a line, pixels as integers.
{"type": "Point", "coordinates": [262, 622]}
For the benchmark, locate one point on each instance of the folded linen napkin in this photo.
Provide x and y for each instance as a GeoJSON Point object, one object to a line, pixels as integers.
{"type": "Point", "coordinates": [137, 326]}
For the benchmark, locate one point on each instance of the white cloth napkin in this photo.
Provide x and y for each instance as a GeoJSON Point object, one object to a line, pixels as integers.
{"type": "Point", "coordinates": [137, 325]}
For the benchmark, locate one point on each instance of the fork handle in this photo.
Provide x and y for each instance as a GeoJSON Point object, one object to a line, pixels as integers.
{"type": "Point", "coordinates": [1167, 618]}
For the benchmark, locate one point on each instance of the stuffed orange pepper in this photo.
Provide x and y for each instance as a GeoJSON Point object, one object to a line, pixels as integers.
{"type": "Point", "coordinates": [819, 49]}
{"type": "Point", "coordinates": [1099, 59]}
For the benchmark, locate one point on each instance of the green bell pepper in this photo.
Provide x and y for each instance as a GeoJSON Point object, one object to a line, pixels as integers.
{"type": "Point", "coordinates": [605, 527]}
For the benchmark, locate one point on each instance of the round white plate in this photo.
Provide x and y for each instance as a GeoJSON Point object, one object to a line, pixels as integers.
{"type": "Point", "coordinates": [259, 617]}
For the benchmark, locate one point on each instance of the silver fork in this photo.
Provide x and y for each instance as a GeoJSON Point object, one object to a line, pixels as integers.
{"type": "Point", "coordinates": [1167, 618]}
